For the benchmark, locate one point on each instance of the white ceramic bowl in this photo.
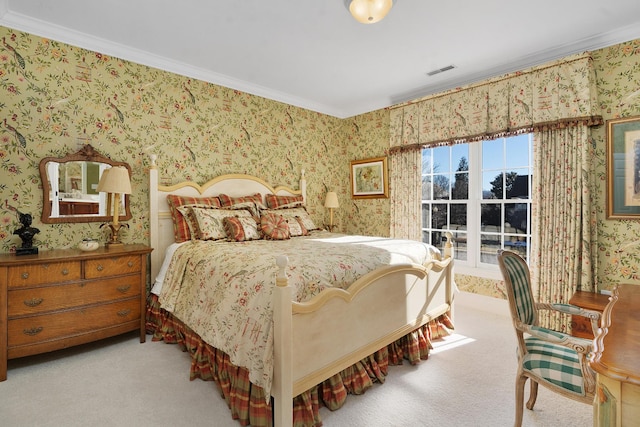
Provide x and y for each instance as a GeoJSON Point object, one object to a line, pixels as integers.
{"type": "Point", "coordinates": [88, 245]}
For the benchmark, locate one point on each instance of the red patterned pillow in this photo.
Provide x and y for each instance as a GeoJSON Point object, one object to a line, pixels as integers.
{"type": "Point", "coordinates": [227, 200]}
{"type": "Point", "coordinates": [280, 202]}
{"type": "Point", "coordinates": [274, 227]}
{"type": "Point", "coordinates": [180, 227]}
{"type": "Point", "coordinates": [240, 229]}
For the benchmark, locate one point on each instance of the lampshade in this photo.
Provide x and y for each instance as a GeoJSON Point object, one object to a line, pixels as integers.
{"type": "Point", "coordinates": [332, 200]}
{"type": "Point", "coordinates": [369, 11]}
{"type": "Point", "coordinates": [115, 180]}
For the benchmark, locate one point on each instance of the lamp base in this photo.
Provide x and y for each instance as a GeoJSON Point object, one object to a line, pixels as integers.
{"type": "Point", "coordinates": [115, 230]}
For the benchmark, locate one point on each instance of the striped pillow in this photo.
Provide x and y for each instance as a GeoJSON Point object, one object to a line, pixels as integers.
{"type": "Point", "coordinates": [274, 227]}
{"type": "Point", "coordinates": [227, 200]}
{"type": "Point", "coordinates": [240, 229]}
{"type": "Point", "coordinates": [281, 202]}
{"type": "Point", "coordinates": [211, 222]}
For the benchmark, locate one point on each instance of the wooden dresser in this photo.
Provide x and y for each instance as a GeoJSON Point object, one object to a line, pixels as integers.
{"type": "Point", "coordinates": [61, 298]}
{"type": "Point", "coordinates": [616, 360]}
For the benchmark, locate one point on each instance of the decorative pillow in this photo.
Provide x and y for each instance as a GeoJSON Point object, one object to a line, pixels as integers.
{"type": "Point", "coordinates": [282, 202]}
{"type": "Point", "coordinates": [190, 220]}
{"type": "Point", "coordinates": [180, 226]}
{"type": "Point", "coordinates": [249, 206]}
{"type": "Point", "coordinates": [274, 227]}
{"type": "Point", "coordinates": [240, 229]}
{"type": "Point", "coordinates": [211, 221]}
{"type": "Point", "coordinates": [300, 212]}
{"type": "Point", "coordinates": [226, 200]}
{"type": "Point", "coordinates": [295, 227]}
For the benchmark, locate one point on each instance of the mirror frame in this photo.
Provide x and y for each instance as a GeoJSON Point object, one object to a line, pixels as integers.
{"type": "Point", "coordinates": [86, 154]}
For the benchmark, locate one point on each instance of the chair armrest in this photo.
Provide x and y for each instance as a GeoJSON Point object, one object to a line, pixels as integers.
{"type": "Point", "coordinates": [570, 309]}
{"type": "Point", "coordinates": [580, 345]}
{"type": "Point", "coordinates": [574, 310]}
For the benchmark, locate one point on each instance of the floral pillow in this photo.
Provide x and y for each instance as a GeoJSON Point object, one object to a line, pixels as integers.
{"type": "Point", "coordinates": [296, 228]}
{"type": "Point", "coordinates": [240, 229]}
{"type": "Point", "coordinates": [274, 227]}
{"type": "Point", "coordinates": [282, 202]}
{"type": "Point", "coordinates": [300, 213]}
{"type": "Point", "coordinates": [187, 213]}
{"type": "Point", "coordinates": [180, 225]}
{"type": "Point", "coordinates": [211, 221]}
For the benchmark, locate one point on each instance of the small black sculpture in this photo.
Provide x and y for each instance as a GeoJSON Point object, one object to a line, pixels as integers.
{"type": "Point", "coordinates": [26, 233]}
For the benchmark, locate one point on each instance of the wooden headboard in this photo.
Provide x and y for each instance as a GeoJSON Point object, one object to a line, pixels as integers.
{"type": "Point", "coordinates": [234, 185]}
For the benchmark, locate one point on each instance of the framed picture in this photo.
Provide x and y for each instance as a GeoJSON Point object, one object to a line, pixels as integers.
{"type": "Point", "coordinates": [369, 178]}
{"type": "Point", "coordinates": [623, 168]}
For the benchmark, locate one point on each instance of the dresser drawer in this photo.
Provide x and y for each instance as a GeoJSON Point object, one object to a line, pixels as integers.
{"type": "Point", "coordinates": [48, 298]}
{"type": "Point", "coordinates": [37, 274]}
{"type": "Point", "coordinates": [113, 266]}
{"type": "Point", "coordinates": [46, 327]}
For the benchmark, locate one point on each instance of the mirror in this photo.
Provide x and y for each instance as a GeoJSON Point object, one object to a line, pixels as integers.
{"type": "Point", "coordinates": [69, 188]}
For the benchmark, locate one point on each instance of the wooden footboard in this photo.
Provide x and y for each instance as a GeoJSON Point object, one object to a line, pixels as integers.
{"type": "Point", "coordinates": [319, 338]}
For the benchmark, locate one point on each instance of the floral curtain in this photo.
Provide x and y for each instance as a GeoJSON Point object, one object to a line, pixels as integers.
{"type": "Point", "coordinates": [405, 192]}
{"type": "Point", "coordinates": [560, 92]}
{"type": "Point", "coordinates": [564, 258]}
{"type": "Point", "coordinates": [558, 101]}
{"type": "Point", "coordinates": [405, 177]}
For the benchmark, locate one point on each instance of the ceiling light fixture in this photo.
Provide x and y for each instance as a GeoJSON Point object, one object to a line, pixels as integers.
{"type": "Point", "coordinates": [369, 11]}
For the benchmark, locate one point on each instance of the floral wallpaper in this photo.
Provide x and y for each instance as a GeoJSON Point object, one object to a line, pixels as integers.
{"type": "Point", "coordinates": [618, 74]}
{"type": "Point", "coordinates": [56, 98]}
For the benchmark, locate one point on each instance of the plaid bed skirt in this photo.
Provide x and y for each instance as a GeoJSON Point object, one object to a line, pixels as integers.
{"type": "Point", "coordinates": [247, 401]}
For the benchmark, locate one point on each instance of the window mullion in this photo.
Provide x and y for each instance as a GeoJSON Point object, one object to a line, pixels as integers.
{"type": "Point", "coordinates": [475, 198]}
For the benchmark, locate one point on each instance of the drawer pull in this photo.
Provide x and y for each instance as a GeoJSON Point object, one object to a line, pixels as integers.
{"type": "Point", "coordinates": [65, 271]}
{"type": "Point", "coordinates": [130, 264]}
{"type": "Point", "coordinates": [124, 288]}
{"type": "Point", "coordinates": [33, 331]}
{"type": "Point", "coordinates": [25, 275]}
{"type": "Point", "coordinates": [33, 302]}
{"type": "Point", "coordinates": [123, 313]}
{"type": "Point", "coordinates": [99, 267]}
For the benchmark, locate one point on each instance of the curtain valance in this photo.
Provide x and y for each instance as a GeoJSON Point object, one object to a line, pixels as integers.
{"type": "Point", "coordinates": [558, 94]}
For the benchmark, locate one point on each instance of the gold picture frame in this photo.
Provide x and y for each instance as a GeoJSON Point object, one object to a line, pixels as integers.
{"type": "Point", "coordinates": [623, 168]}
{"type": "Point", "coordinates": [369, 178]}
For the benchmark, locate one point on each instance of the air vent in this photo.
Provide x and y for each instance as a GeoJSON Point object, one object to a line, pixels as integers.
{"type": "Point", "coordinates": [441, 70]}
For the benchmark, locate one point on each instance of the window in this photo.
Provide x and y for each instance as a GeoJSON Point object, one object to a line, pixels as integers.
{"type": "Point", "coordinates": [481, 193]}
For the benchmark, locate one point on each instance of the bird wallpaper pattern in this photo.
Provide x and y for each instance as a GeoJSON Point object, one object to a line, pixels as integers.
{"type": "Point", "coordinates": [55, 98]}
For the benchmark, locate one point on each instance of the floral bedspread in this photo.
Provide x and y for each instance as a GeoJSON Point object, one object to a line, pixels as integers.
{"type": "Point", "coordinates": [223, 291]}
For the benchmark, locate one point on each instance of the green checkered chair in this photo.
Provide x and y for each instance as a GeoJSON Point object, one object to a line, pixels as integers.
{"type": "Point", "coordinates": [554, 359]}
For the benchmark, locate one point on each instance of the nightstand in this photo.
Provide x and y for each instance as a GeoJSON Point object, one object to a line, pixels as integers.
{"type": "Point", "coordinates": [581, 326]}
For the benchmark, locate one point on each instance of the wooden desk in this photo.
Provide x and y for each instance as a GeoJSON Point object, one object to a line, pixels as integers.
{"type": "Point", "coordinates": [616, 362]}
{"type": "Point", "coordinates": [581, 326]}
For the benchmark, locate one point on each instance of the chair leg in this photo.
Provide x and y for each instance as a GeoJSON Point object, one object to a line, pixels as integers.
{"type": "Point", "coordinates": [520, 381]}
{"type": "Point", "coordinates": [533, 394]}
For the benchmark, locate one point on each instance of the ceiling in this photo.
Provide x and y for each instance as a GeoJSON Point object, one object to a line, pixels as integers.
{"type": "Point", "coordinates": [314, 55]}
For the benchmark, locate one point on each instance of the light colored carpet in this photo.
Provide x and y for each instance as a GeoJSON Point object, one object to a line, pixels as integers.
{"type": "Point", "coordinates": [467, 381]}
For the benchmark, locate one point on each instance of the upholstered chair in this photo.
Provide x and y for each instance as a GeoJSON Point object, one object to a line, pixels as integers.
{"type": "Point", "coordinates": [556, 360]}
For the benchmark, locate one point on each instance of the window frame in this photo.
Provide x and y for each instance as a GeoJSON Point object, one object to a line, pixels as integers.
{"type": "Point", "coordinates": [473, 264]}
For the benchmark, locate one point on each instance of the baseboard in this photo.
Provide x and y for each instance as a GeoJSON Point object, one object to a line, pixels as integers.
{"type": "Point", "coordinates": [482, 302]}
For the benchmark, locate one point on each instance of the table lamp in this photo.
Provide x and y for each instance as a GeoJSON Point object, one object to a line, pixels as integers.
{"type": "Point", "coordinates": [331, 202]}
{"type": "Point", "coordinates": [115, 182]}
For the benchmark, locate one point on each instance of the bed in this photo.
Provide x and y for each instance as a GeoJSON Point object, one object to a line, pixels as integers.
{"type": "Point", "coordinates": [308, 339]}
